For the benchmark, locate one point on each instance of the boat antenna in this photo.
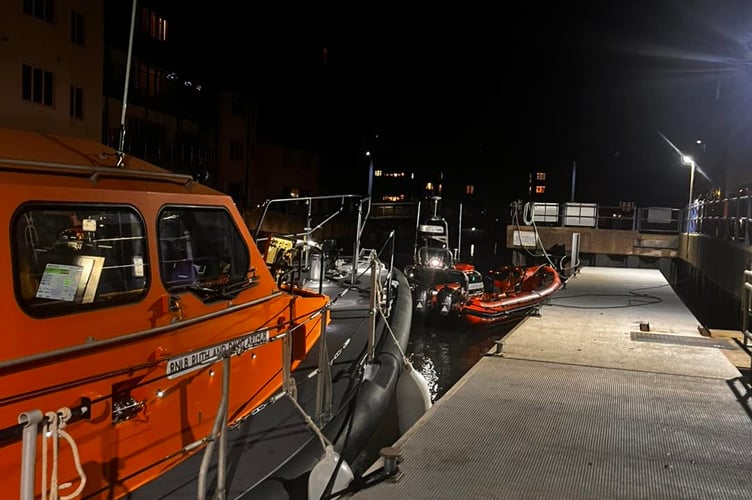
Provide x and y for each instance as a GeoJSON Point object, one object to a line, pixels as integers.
{"type": "Point", "coordinates": [121, 140]}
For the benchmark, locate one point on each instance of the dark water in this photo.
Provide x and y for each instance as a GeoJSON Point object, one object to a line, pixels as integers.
{"type": "Point", "coordinates": [443, 353]}
{"type": "Point", "coordinates": [441, 349]}
{"type": "Point", "coordinates": [712, 306]}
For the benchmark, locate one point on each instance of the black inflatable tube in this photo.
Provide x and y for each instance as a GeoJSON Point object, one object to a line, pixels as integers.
{"type": "Point", "coordinates": [375, 393]}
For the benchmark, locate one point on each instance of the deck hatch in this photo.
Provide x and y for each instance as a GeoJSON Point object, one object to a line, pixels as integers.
{"type": "Point", "coordinates": [662, 338]}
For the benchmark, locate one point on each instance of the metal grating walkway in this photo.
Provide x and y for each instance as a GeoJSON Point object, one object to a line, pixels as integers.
{"type": "Point", "coordinates": [576, 421]}
{"type": "Point", "coordinates": [547, 430]}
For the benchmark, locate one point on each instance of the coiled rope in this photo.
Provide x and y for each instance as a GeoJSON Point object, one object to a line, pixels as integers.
{"type": "Point", "coordinates": [53, 429]}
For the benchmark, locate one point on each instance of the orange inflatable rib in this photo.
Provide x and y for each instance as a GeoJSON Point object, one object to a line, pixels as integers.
{"type": "Point", "coordinates": [515, 290]}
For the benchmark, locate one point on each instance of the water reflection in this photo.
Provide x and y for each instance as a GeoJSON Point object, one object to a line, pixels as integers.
{"type": "Point", "coordinates": [443, 351]}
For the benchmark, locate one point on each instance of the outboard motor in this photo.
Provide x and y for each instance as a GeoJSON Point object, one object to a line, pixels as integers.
{"type": "Point", "coordinates": [421, 300]}
{"type": "Point", "coordinates": [444, 300]}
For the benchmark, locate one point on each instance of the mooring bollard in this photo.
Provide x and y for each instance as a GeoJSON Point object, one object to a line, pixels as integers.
{"type": "Point", "coordinates": [392, 457]}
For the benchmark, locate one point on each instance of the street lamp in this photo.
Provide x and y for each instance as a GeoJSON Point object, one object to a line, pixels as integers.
{"type": "Point", "coordinates": [688, 160]}
{"type": "Point", "coordinates": [370, 172]}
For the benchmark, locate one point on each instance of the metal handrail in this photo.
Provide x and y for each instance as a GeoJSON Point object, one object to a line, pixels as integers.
{"type": "Point", "coordinates": [747, 304]}
{"type": "Point", "coordinates": [130, 337]}
{"type": "Point", "coordinates": [308, 199]}
{"type": "Point", "coordinates": [96, 171]}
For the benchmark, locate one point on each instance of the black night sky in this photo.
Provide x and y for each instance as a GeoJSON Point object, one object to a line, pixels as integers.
{"type": "Point", "coordinates": [489, 92]}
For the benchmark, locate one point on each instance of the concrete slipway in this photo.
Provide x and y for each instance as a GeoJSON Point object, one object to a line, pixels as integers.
{"type": "Point", "coordinates": [583, 404]}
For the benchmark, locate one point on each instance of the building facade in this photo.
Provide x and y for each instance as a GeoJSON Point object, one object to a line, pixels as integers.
{"type": "Point", "coordinates": [51, 59]}
{"type": "Point", "coordinates": [64, 66]}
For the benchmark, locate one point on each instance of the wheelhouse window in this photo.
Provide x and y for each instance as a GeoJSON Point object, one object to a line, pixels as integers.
{"type": "Point", "coordinates": [71, 258]}
{"type": "Point", "coordinates": [202, 251]}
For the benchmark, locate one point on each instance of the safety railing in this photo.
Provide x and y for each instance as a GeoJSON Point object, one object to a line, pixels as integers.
{"type": "Point", "coordinates": [592, 215]}
{"type": "Point", "coordinates": [727, 219]}
{"type": "Point", "coordinates": [747, 311]}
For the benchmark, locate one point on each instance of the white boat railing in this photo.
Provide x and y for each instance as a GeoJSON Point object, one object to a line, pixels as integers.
{"type": "Point", "coordinates": [364, 260]}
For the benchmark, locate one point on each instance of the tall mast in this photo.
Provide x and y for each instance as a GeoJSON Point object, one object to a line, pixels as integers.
{"type": "Point", "coordinates": [121, 141]}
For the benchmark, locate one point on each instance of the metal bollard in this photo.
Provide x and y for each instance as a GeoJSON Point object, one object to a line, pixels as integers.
{"type": "Point", "coordinates": [392, 456]}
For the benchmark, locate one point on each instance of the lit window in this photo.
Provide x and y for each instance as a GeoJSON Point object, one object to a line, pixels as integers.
{"type": "Point", "coordinates": [378, 173]}
{"type": "Point", "coordinates": [469, 189]}
{"type": "Point", "coordinates": [393, 198]}
{"type": "Point", "coordinates": [429, 186]}
{"type": "Point", "coordinates": [541, 176]}
{"type": "Point", "coordinates": [152, 25]}
{"type": "Point", "coordinates": [540, 189]}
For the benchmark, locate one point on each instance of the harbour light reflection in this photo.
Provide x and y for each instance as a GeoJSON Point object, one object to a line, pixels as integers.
{"type": "Point", "coordinates": [443, 351]}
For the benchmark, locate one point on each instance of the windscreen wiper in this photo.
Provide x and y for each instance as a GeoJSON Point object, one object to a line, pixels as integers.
{"type": "Point", "coordinates": [225, 292]}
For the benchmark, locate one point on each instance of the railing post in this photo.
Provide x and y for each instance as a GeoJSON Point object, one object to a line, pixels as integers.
{"type": "Point", "coordinates": [747, 220]}
{"type": "Point", "coordinates": [218, 432]}
{"type": "Point", "coordinates": [324, 382]}
{"type": "Point", "coordinates": [575, 259]}
{"type": "Point", "coordinates": [373, 311]}
{"type": "Point", "coordinates": [356, 249]}
{"type": "Point", "coordinates": [221, 492]}
{"type": "Point", "coordinates": [747, 305]}
{"type": "Point", "coordinates": [288, 384]}
{"type": "Point", "coordinates": [597, 215]}
{"type": "Point", "coordinates": [31, 419]}
{"type": "Point", "coordinates": [389, 276]}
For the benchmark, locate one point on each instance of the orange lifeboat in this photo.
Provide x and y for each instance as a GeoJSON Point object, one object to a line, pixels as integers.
{"type": "Point", "coordinates": [141, 321]}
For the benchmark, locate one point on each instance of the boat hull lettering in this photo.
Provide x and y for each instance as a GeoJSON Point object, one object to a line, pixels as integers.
{"type": "Point", "coordinates": [186, 363]}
